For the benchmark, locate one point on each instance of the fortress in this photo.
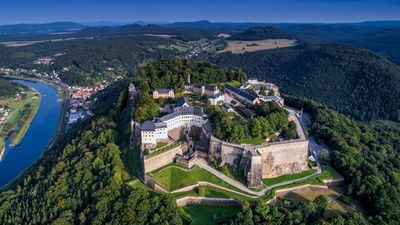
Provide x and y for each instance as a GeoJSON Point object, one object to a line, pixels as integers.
{"type": "Point", "coordinates": [267, 160]}
{"type": "Point", "coordinates": [260, 161]}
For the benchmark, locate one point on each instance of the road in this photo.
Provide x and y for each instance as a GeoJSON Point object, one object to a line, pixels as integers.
{"type": "Point", "coordinates": [204, 165]}
{"type": "Point", "coordinates": [62, 123]}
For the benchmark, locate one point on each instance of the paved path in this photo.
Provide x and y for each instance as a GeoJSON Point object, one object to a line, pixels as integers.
{"type": "Point", "coordinates": [204, 165]}
{"type": "Point", "coordinates": [299, 127]}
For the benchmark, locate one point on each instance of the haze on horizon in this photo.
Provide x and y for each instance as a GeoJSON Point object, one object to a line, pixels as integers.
{"type": "Point", "coordinates": [298, 11]}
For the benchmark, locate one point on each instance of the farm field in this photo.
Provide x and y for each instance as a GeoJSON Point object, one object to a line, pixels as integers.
{"type": "Point", "coordinates": [238, 47]}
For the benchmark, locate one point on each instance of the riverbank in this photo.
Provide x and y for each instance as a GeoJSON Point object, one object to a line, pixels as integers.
{"type": "Point", "coordinates": [62, 93]}
{"type": "Point", "coordinates": [19, 114]}
{"type": "Point", "coordinates": [20, 133]}
{"type": "Point", "coordinates": [2, 150]}
{"type": "Point", "coordinates": [39, 134]}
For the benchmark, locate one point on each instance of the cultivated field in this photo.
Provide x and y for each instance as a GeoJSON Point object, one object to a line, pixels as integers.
{"type": "Point", "coordinates": [238, 47]}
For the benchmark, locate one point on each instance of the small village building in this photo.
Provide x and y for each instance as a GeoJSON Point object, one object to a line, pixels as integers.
{"type": "Point", "coordinates": [208, 90]}
{"type": "Point", "coordinates": [252, 80]}
{"type": "Point", "coordinates": [211, 90]}
{"type": "Point", "coordinates": [163, 93]}
{"type": "Point", "coordinates": [242, 95]}
{"type": "Point", "coordinates": [217, 99]}
{"type": "Point", "coordinates": [73, 117]}
{"type": "Point", "coordinates": [182, 101]}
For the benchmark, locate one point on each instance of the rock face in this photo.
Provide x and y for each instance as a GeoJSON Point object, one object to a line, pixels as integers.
{"type": "Point", "coordinates": [284, 158]}
{"type": "Point", "coordinates": [261, 161]}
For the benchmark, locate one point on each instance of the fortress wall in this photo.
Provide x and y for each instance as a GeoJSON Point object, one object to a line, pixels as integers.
{"type": "Point", "coordinates": [155, 162]}
{"type": "Point", "coordinates": [284, 158]}
{"type": "Point", "coordinates": [255, 174]}
{"type": "Point", "coordinates": [229, 153]}
{"type": "Point", "coordinates": [208, 201]}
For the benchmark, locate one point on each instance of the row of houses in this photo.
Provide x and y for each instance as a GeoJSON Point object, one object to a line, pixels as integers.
{"type": "Point", "coordinates": [242, 95]}
{"type": "Point", "coordinates": [201, 89]}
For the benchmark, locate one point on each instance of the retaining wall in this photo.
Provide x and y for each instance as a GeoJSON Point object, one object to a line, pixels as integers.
{"type": "Point", "coordinates": [189, 200]}
{"type": "Point", "coordinates": [165, 158]}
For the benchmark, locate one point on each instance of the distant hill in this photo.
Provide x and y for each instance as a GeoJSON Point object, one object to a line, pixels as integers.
{"type": "Point", "coordinates": [260, 33]}
{"type": "Point", "coordinates": [42, 28]}
{"type": "Point", "coordinates": [352, 80]}
{"type": "Point", "coordinates": [186, 34]}
{"type": "Point", "coordinates": [359, 34]}
{"type": "Point", "coordinates": [382, 23]}
{"type": "Point", "coordinates": [37, 31]}
{"type": "Point", "coordinates": [380, 37]}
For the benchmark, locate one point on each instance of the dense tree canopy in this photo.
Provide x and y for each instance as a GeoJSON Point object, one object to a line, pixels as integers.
{"type": "Point", "coordinates": [174, 74]}
{"type": "Point", "coordinates": [9, 89]}
{"type": "Point", "coordinates": [83, 182]}
{"type": "Point", "coordinates": [351, 80]}
{"type": "Point", "coordinates": [271, 119]}
{"type": "Point", "coordinates": [87, 61]}
{"type": "Point", "coordinates": [366, 155]}
{"type": "Point", "coordinates": [305, 213]}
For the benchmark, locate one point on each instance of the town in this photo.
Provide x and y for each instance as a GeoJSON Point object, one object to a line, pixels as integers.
{"type": "Point", "coordinates": [77, 97]}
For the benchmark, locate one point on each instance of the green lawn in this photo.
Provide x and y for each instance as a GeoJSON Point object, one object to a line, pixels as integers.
{"type": "Point", "coordinates": [20, 132]}
{"type": "Point", "coordinates": [327, 173]}
{"type": "Point", "coordinates": [173, 178]}
{"type": "Point", "coordinates": [234, 174]}
{"type": "Point", "coordinates": [162, 150]}
{"type": "Point", "coordinates": [288, 177]}
{"type": "Point", "coordinates": [234, 83]}
{"type": "Point", "coordinates": [203, 214]}
{"type": "Point", "coordinates": [161, 144]}
{"type": "Point", "coordinates": [17, 110]}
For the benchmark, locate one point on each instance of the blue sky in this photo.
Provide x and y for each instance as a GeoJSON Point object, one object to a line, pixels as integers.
{"type": "Point", "coordinates": [326, 11]}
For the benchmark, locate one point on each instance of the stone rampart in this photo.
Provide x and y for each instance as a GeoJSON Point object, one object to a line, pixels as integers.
{"type": "Point", "coordinates": [165, 158]}
{"type": "Point", "coordinates": [283, 158]}
{"type": "Point", "coordinates": [189, 200]}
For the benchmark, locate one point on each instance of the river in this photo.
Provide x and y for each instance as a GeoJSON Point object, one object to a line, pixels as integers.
{"type": "Point", "coordinates": [42, 129]}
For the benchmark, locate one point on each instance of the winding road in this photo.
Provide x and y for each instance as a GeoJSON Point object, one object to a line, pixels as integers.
{"type": "Point", "coordinates": [204, 165]}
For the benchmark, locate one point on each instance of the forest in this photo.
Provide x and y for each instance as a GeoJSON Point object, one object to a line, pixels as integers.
{"type": "Point", "coordinates": [367, 155]}
{"type": "Point", "coordinates": [260, 33]}
{"type": "Point", "coordinates": [271, 119]}
{"type": "Point", "coordinates": [82, 181]}
{"type": "Point", "coordinates": [305, 213]}
{"type": "Point", "coordinates": [88, 61]}
{"type": "Point", "coordinates": [174, 74]}
{"type": "Point", "coordinates": [8, 89]}
{"type": "Point", "coordinates": [84, 176]}
{"type": "Point", "coordinates": [352, 80]}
